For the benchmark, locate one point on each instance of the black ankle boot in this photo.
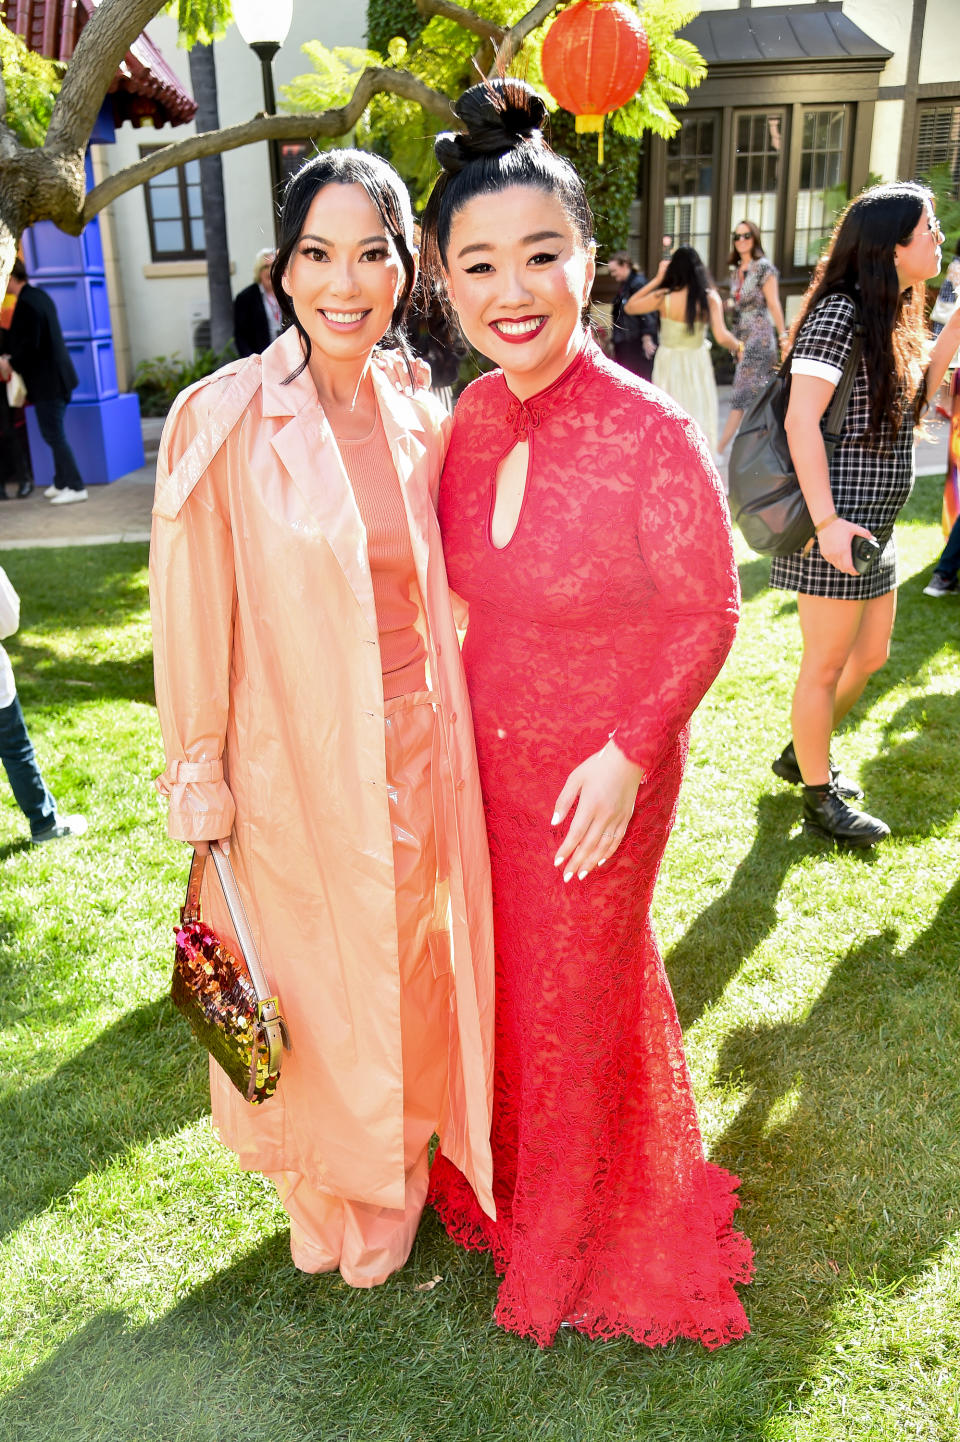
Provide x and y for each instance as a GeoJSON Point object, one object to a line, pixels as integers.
{"type": "Point", "coordinates": [825, 813]}
{"type": "Point", "coordinates": [787, 769]}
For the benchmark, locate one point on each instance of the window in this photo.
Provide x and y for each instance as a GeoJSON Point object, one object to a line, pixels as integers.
{"type": "Point", "coordinates": [691, 167]}
{"type": "Point", "coordinates": [757, 172]}
{"type": "Point", "coordinates": [823, 181]}
{"type": "Point", "coordinates": [938, 139]}
{"type": "Point", "coordinates": [175, 212]}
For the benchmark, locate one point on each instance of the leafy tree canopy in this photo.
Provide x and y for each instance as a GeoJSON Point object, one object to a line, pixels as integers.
{"type": "Point", "coordinates": [200, 22]}
{"type": "Point", "coordinates": [443, 53]}
{"type": "Point", "coordinates": [32, 85]}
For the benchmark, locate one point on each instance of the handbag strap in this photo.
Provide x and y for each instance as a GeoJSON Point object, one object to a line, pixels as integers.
{"type": "Point", "coordinates": [844, 390]}
{"type": "Point", "coordinates": [268, 1007]}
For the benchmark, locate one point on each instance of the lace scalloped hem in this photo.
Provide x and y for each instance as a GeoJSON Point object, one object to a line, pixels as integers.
{"type": "Point", "coordinates": [713, 1323]}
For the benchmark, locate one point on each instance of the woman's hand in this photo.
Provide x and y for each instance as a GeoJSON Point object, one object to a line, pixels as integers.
{"type": "Point", "coordinates": [202, 848]}
{"type": "Point", "coordinates": [606, 784]}
{"type": "Point", "coordinates": [835, 541]}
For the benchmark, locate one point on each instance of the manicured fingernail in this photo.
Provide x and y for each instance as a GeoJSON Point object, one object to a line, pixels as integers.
{"type": "Point", "coordinates": [557, 860]}
{"type": "Point", "coordinates": [602, 861]}
{"type": "Point", "coordinates": [567, 875]}
{"type": "Point", "coordinates": [581, 875]}
{"type": "Point", "coordinates": [555, 818]}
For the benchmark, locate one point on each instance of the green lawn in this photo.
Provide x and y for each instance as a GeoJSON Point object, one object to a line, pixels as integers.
{"type": "Point", "coordinates": [147, 1287]}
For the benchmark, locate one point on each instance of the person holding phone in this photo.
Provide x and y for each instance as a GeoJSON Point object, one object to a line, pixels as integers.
{"type": "Point", "coordinates": [871, 277]}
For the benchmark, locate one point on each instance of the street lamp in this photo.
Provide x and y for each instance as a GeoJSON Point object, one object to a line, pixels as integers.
{"type": "Point", "coordinates": [264, 26]}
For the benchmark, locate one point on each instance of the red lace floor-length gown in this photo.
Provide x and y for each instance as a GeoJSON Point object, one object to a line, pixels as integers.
{"type": "Point", "coordinates": [610, 610]}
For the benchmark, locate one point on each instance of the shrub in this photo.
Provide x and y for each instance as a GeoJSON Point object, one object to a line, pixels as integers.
{"type": "Point", "coordinates": [159, 380]}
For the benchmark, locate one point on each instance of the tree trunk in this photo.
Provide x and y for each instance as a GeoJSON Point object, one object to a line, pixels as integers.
{"type": "Point", "coordinates": [203, 79]}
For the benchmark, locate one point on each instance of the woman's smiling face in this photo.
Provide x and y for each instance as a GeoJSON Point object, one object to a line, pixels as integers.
{"type": "Point", "coordinates": [344, 275]}
{"type": "Point", "coordinates": [519, 275]}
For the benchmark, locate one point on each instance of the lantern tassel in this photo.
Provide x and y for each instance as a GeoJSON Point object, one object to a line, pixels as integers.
{"type": "Point", "coordinates": [591, 125]}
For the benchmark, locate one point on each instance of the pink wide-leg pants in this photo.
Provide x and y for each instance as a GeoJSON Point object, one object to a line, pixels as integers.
{"type": "Point", "coordinates": [367, 1243]}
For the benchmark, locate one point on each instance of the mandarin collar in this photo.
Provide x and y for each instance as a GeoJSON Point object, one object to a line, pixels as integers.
{"type": "Point", "coordinates": [528, 415]}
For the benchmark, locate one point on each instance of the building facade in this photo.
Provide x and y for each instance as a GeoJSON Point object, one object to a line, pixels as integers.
{"type": "Point", "coordinates": [153, 236]}
{"type": "Point", "coordinates": [802, 105]}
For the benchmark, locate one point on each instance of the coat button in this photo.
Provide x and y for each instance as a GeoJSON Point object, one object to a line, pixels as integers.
{"type": "Point", "coordinates": [453, 717]}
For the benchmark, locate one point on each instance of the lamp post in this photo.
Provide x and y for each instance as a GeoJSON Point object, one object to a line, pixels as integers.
{"type": "Point", "coordinates": [264, 25]}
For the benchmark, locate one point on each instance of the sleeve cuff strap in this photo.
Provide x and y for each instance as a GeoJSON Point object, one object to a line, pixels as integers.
{"type": "Point", "coordinates": [181, 772]}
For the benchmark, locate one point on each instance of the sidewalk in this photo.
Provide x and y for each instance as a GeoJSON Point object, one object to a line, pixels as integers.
{"type": "Point", "coordinates": [118, 512]}
{"type": "Point", "coordinates": [121, 511]}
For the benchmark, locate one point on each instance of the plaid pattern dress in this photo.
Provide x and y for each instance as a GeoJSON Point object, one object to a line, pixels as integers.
{"type": "Point", "coordinates": [870, 484]}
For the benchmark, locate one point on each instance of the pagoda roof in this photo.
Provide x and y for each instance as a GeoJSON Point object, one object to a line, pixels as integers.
{"type": "Point", "coordinates": [144, 89]}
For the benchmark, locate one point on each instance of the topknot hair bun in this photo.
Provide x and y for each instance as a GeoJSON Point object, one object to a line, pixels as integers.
{"type": "Point", "coordinates": [499, 115]}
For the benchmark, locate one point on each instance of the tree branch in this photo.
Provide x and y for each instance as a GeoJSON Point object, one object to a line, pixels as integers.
{"type": "Point", "coordinates": [374, 81]}
{"type": "Point", "coordinates": [486, 29]}
{"type": "Point", "coordinates": [105, 40]}
{"type": "Point", "coordinates": [515, 36]}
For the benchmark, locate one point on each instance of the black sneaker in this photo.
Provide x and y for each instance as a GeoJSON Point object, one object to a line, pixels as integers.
{"type": "Point", "coordinates": [787, 769]}
{"type": "Point", "coordinates": [939, 585]}
{"type": "Point", "coordinates": [825, 813]}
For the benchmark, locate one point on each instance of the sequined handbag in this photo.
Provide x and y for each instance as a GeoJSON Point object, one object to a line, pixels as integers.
{"type": "Point", "coordinates": [225, 998]}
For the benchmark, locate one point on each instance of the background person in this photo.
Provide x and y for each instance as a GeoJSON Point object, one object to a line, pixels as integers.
{"type": "Point", "coordinates": [299, 597]}
{"type": "Point", "coordinates": [759, 324]}
{"type": "Point", "coordinates": [634, 337]}
{"type": "Point", "coordinates": [30, 791]}
{"type": "Point", "coordinates": [584, 524]}
{"type": "Point", "coordinates": [688, 303]}
{"type": "Point", "coordinates": [256, 312]}
{"type": "Point", "coordinates": [14, 460]}
{"type": "Point", "coordinates": [884, 249]}
{"type": "Point", "coordinates": [36, 348]}
{"type": "Point", "coordinates": [948, 298]}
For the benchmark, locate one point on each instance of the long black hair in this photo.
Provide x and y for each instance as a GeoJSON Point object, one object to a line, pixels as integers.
{"type": "Point", "coordinates": [392, 203]}
{"type": "Point", "coordinates": [502, 145]}
{"type": "Point", "coordinates": [860, 262]}
{"type": "Point", "coordinates": [687, 271]}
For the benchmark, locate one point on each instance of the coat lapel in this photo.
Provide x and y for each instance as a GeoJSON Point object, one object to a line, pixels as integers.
{"type": "Point", "coordinates": [306, 447]}
{"type": "Point", "coordinates": [404, 429]}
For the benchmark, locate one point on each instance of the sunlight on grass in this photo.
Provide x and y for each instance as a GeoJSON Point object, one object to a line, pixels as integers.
{"type": "Point", "coordinates": [147, 1282]}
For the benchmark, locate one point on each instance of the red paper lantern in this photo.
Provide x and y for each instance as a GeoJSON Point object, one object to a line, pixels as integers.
{"type": "Point", "coordinates": [595, 56]}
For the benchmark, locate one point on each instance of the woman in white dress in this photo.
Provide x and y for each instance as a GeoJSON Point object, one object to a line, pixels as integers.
{"type": "Point", "coordinates": [688, 303]}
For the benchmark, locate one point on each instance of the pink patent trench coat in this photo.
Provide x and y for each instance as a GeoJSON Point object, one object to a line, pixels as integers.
{"type": "Point", "coordinates": [270, 696]}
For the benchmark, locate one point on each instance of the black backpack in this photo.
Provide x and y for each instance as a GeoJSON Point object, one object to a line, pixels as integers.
{"type": "Point", "coordinates": [766, 501]}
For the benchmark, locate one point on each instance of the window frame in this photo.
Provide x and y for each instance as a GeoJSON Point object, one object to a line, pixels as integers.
{"type": "Point", "coordinates": [946, 102]}
{"type": "Point", "coordinates": [183, 187]}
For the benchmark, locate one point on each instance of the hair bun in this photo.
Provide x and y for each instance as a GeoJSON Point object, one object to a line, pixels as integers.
{"type": "Point", "coordinates": [499, 115]}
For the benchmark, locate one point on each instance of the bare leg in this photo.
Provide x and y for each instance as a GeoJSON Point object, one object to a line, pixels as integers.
{"type": "Point", "coordinates": [829, 630]}
{"type": "Point", "coordinates": [870, 653]}
{"type": "Point", "coordinates": [733, 420]}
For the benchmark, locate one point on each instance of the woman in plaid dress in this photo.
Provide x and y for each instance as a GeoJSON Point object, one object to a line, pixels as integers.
{"type": "Point", "coordinates": [885, 247]}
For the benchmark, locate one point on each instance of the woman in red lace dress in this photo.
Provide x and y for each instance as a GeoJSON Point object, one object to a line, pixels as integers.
{"type": "Point", "coordinates": [585, 525]}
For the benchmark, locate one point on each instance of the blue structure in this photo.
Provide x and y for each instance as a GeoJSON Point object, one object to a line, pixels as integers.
{"type": "Point", "coordinates": [102, 426]}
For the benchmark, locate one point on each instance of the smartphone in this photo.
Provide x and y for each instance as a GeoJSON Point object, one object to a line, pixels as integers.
{"type": "Point", "coordinates": [864, 550]}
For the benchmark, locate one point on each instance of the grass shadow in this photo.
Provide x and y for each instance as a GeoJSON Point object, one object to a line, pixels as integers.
{"type": "Point", "coordinates": [848, 1141]}
{"type": "Point", "coordinates": [914, 781]}
{"type": "Point", "coordinates": [107, 598]}
{"type": "Point", "coordinates": [724, 934]}
{"type": "Point", "coordinates": [140, 1078]}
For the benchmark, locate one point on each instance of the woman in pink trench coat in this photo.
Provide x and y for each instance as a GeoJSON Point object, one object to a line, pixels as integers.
{"type": "Point", "coordinates": [356, 824]}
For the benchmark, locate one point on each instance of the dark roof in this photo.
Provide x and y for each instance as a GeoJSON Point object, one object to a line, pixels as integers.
{"type": "Point", "coordinates": [781, 34]}
{"type": "Point", "coordinates": [144, 87]}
